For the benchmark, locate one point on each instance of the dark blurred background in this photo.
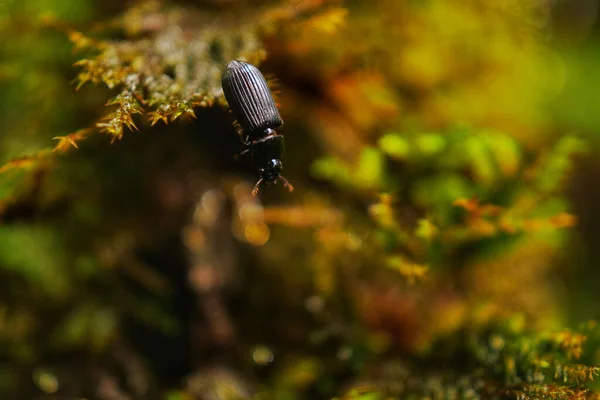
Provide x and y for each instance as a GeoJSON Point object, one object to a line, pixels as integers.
{"type": "Point", "coordinates": [445, 159]}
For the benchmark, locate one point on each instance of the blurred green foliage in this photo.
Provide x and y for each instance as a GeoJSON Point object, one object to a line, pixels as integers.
{"type": "Point", "coordinates": [429, 251]}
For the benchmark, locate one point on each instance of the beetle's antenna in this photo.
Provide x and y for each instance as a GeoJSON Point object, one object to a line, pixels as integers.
{"type": "Point", "coordinates": [257, 187]}
{"type": "Point", "coordinates": [287, 184]}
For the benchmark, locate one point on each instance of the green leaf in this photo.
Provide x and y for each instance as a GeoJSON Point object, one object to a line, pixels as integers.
{"type": "Point", "coordinates": [369, 173]}
{"type": "Point", "coordinates": [395, 146]}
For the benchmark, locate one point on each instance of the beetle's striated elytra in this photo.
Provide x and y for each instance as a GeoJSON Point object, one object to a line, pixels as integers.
{"type": "Point", "coordinates": [254, 108]}
{"type": "Point", "coordinates": [250, 99]}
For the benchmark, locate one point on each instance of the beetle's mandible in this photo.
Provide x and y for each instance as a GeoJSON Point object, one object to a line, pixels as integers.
{"type": "Point", "coordinates": [254, 108]}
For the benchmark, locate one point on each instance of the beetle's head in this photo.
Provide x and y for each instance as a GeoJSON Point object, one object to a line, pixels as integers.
{"type": "Point", "coordinates": [271, 173]}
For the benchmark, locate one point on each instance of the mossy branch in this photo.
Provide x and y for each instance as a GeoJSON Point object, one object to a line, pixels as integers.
{"type": "Point", "coordinates": [172, 58]}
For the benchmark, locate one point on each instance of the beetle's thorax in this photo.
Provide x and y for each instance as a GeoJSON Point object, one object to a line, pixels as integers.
{"type": "Point", "coordinates": [267, 149]}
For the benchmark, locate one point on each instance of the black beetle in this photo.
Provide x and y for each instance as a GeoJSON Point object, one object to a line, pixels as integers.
{"type": "Point", "coordinates": [254, 108]}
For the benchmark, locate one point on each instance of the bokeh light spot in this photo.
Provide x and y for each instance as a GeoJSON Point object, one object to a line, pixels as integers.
{"type": "Point", "coordinates": [257, 234]}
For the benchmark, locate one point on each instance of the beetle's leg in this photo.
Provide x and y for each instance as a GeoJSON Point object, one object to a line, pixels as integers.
{"type": "Point", "coordinates": [245, 138]}
{"type": "Point", "coordinates": [257, 187]}
{"type": "Point", "coordinates": [246, 142]}
{"type": "Point", "coordinates": [265, 139]}
{"type": "Point", "coordinates": [286, 184]}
